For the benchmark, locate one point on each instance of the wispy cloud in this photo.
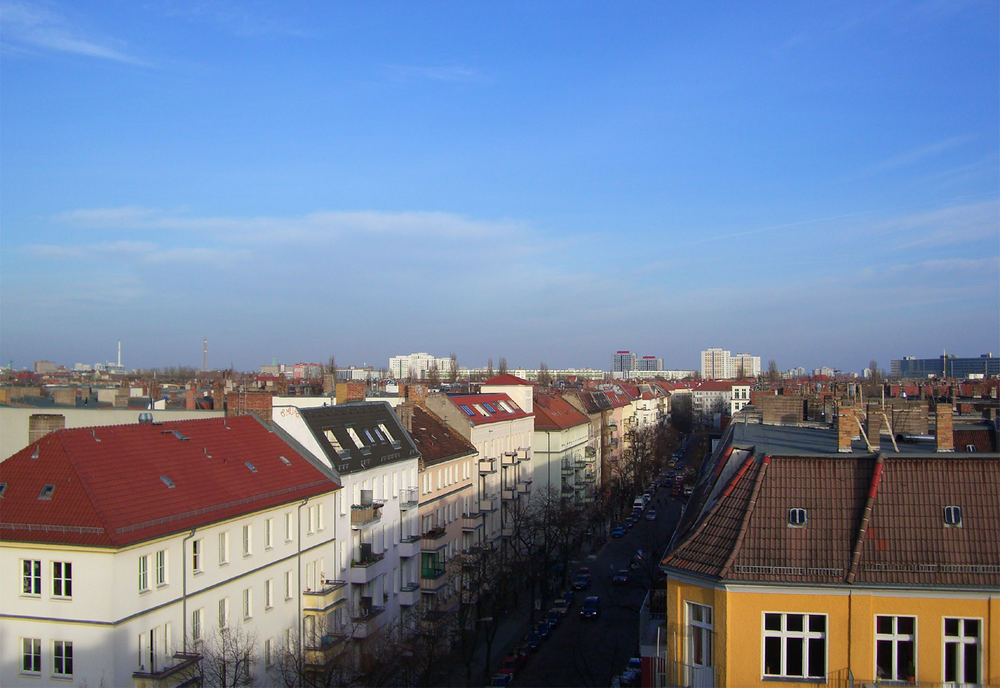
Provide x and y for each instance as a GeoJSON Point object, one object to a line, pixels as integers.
{"type": "Point", "coordinates": [31, 26]}
{"type": "Point", "coordinates": [455, 73]}
{"type": "Point", "coordinates": [142, 251]}
{"type": "Point", "coordinates": [242, 19]}
{"type": "Point", "coordinates": [956, 224]}
{"type": "Point", "coordinates": [915, 155]}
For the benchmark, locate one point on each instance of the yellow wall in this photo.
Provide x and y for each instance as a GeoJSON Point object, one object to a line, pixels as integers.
{"type": "Point", "coordinates": [738, 626]}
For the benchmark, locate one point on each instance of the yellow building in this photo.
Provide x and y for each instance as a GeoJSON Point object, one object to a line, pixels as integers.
{"type": "Point", "coordinates": [802, 560]}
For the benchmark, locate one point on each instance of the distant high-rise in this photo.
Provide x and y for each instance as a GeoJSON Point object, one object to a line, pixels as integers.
{"type": "Point", "coordinates": [623, 362]}
{"type": "Point", "coordinates": [649, 364]}
{"type": "Point", "coordinates": [947, 365]}
{"type": "Point", "coordinates": [719, 364]}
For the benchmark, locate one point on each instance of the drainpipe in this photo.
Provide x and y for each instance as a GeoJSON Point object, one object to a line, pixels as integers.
{"type": "Point", "coordinates": [184, 581]}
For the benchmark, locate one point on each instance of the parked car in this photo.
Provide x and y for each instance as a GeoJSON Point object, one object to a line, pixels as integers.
{"type": "Point", "coordinates": [621, 577]}
{"type": "Point", "coordinates": [511, 664]}
{"type": "Point", "coordinates": [632, 676]}
{"type": "Point", "coordinates": [581, 581]}
{"type": "Point", "coordinates": [543, 629]}
{"type": "Point", "coordinates": [554, 616]}
{"type": "Point", "coordinates": [532, 642]}
{"type": "Point", "coordinates": [637, 560]}
{"type": "Point", "coordinates": [561, 606]}
{"type": "Point", "coordinates": [651, 515]}
{"type": "Point", "coordinates": [569, 596]}
{"type": "Point", "coordinates": [688, 491]}
{"type": "Point", "coordinates": [591, 607]}
{"type": "Point", "coordinates": [618, 532]}
{"type": "Point", "coordinates": [501, 680]}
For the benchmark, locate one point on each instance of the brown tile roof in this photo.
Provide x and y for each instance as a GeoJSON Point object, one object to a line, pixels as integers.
{"type": "Point", "coordinates": [739, 526]}
{"type": "Point", "coordinates": [435, 441]}
{"type": "Point", "coordinates": [552, 412]}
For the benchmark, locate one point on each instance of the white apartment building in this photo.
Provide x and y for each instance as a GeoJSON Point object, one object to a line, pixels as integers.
{"type": "Point", "coordinates": [719, 364]}
{"type": "Point", "coordinates": [566, 450]}
{"type": "Point", "coordinates": [739, 397]}
{"type": "Point", "coordinates": [418, 366]}
{"type": "Point", "coordinates": [136, 548]}
{"type": "Point", "coordinates": [376, 520]}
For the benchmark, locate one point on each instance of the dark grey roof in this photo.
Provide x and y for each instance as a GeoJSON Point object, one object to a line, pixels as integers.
{"type": "Point", "coordinates": [363, 421]}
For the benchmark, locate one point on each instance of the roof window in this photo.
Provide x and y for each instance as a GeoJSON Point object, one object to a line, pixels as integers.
{"type": "Point", "coordinates": [253, 469]}
{"type": "Point", "coordinates": [371, 440]}
{"type": "Point", "coordinates": [953, 516]}
{"type": "Point", "coordinates": [797, 517]}
{"type": "Point", "coordinates": [970, 448]}
{"type": "Point", "coordinates": [46, 492]}
{"type": "Point", "coordinates": [167, 481]}
{"type": "Point", "coordinates": [334, 442]}
{"type": "Point", "coordinates": [354, 436]}
{"type": "Point", "coordinates": [175, 433]}
{"type": "Point", "coordinates": [3, 488]}
{"type": "Point", "coordinates": [34, 454]}
{"type": "Point", "coordinates": [285, 461]}
{"type": "Point", "coordinates": [489, 407]}
{"type": "Point", "coordinates": [468, 411]}
{"type": "Point", "coordinates": [378, 434]}
{"type": "Point", "coordinates": [480, 408]}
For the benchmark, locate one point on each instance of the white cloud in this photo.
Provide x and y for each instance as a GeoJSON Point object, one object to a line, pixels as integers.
{"type": "Point", "coordinates": [915, 155]}
{"type": "Point", "coordinates": [32, 26]}
{"type": "Point", "coordinates": [455, 73]}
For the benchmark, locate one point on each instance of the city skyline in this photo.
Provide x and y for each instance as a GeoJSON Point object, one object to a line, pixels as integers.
{"type": "Point", "coordinates": [815, 184]}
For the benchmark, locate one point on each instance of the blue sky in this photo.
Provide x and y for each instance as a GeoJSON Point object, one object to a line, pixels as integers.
{"type": "Point", "coordinates": [814, 183]}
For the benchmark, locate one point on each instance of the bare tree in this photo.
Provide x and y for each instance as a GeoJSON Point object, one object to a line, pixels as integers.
{"type": "Point", "coordinates": [228, 658]}
{"type": "Point", "coordinates": [772, 372]}
{"type": "Point", "coordinates": [433, 375]}
{"type": "Point", "coordinates": [876, 374]}
{"type": "Point", "coordinates": [489, 368]}
{"type": "Point", "coordinates": [331, 365]}
{"type": "Point", "coordinates": [453, 373]}
{"type": "Point", "coordinates": [544, 376]}
{"type": "Point", "coordinates": [502, 367]}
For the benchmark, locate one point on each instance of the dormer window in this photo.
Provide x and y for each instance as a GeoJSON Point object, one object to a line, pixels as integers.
{"type": "Point", "coordinates": [46, 492]}
{"type": "Point", "coordinates": [970, 448]}
{"type": "Point", "coordinates": [797, 517]}
{"type": "Point", "coordinates": [167, 481]}
{"type": "Point", "coordinates": [953, 516]}
{"type": "Point", "coordinates": [253, 469]}
{"type": "Point", "coordinates": [285, 461]}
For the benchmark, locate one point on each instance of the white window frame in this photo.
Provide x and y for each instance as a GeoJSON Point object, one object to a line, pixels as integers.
{"type": "Point", "coordinates": [320, 524]}
{"type": "Point", "coordinates": [289, 527]}
{"type": "Point", "coordinates": [288, 584]}
{"type": "Point", "coordinates": [197, 554]}
{"type": "Point", "coordinates": [223, 548]}
{"type": "Point", "coordinates": [961, 640]}
{"type": "Point", "coordinates": [269, 593]}
{"type": "Point", "coordinates": [144, 573]}
{"type": "Point", "coordinates": [197, 623]}
{"type": "Point", "coordinates": [268, 653]}
{"type": "Point", "coordinates": [247, 540]}
{"type": "Point", "coordinates": [224, 612]}
{"type": "Point", "coordinates": [31, 577]}
{"type": "Point", "coordinates": [895, 639]}
{"type": "Point", "coordinates": [703, 629]}
{"type": "Point", "coordinates": [62, 651]}
{"type": "Point", "coordinates": [31, 650]}
{"type": "Point", "coordinates": [268, 533]}
{"type": "Point", "coordinates": [785, 635]}
{"type": "Point", "coordinates": [160, 567]}
{"type": "Point", "coordinates": [247, 604]}
{"type": "Point", "coordinates": [62, 581]}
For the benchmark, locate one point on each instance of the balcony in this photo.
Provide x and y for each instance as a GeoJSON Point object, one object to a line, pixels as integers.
{"type": "Point", "coordinates": [567, 467]}
{"type": "Point", "coordinates": [366, 567]}
{"type": "Point", "coordinates": [509, 459]}
{"type": "Point", "coordinates": [487, 466]}
{"type": "Point", "coordinates": [567, 489]}
{"type": "Point", "coordinates": [589, 452]}
{"type": "Point", "coordinates": [432, 579]}
{"type": "Point", "coordinates": [184, 669]}
{"type": "Point", "coordinates": [408, 499]}
{"type": "Point", "coordinates": [507, 531]}
{"type": "Point", "coordinates": [409, 595]}
{"type": "Point", "coordinates": [435, 533]}
{"type": "Point", "coordinates": [409, 546]}
{"type": "Point", "coordinates": [524, 486]}
{"type": "Point", "coordinates": [508, 494]}
{"type": "Point", "coordinates": [587, 477]}
{"type": "Point", "coordinates": [471, 522]}
{"type": "Point", "coordinates": [364, 515]}
{"type": "Point", "coordinates": [523, 454]}
{"type": "Point", "coordinates": [364, 618]}
{"type": "Point", "coordinates": [322, 654]}
{"type": "Point", "coordinates": [488, 504]}
{"type": "Point", "coordinates": [331, 595]}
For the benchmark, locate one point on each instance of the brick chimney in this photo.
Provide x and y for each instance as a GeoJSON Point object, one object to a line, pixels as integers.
{"type": "Point", "coordinates": [405, 413]}
{"type": "Point", "coordinates": [945, 430]}
{"type": "Point", "coordinates": [845, 428]}
{"type": "Point", "coordinates": [417, 394]}
{"type": "Point", "coordinates": [189, 397]}
{"type": "Point", "coordinates": [873, 425]}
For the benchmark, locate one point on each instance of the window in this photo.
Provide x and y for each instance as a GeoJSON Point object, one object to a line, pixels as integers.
{"type": "Point", "coordinates": [385, 431]}
{"type": "Point", "coordinates": [311, 514]}
{"type": "Point", "coordinates": [466, 410]}
{"type": "Point", "coordinates": [196, 621]}
{"type": "Point", "coordinates": [895, 640]}
{"type": "Point", "coordinates": [371, 440]}
{"type": "Point", "coordinates": [62, 579]}
{"type": "Point", "coordinates": [489, 407]}
{"type": "Point", "coordinates": [269, 533]}
{"type": "Point", "coordinates": [794, 645]}
{"type": "Point", "coordinates": [481, 410]}
{"type": "Point", "coordinates": [46, 492]}
{"type": "Point", "coordinates": [247, 540]}
{"type": "Point", "coordinates": [797, 517]}
{"type": "Point", "coordinates": [144, 573]}
{"type": "Point", "coordinates": [62, 658]}
{"type": "Point", "coordinates": [355, 438]}
{"type": "Point", "coordinates": [268, 654]}
{"type": "Point", "coordinates": [268, 593]}
{"type": "Point", "coordinates": [700, 634]}
{"type": "Point", "coordinates": [253, 469]}
{"type": "Point", "coordinates": [160, 567]}
{"type": "Point", "coordinates": [962, 651]}
{"type": "Point", "coordinates": [223, 548]}
{"type": "Point", "coordinates": [196, 556]}
{"type": "Point", "coordinates": [289, 530]}
{"type": "Point", "coordinates": [953, 516]}
{"type": "Point", "coordinates": [288, 585]}
{"type": "Point", "coordinates": [247, 603]}
{"type": "Point", "coordinates": [31, 577]}
{"type": "Point", "coordinates": [224, 612]}
{"type": "Point", "coordinates": [319, 516]}
{"type": "Point", "coordinates": [31, 655]}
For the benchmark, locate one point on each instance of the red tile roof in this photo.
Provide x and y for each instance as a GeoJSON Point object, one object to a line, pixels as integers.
{"type": "Point", "coordinates": [552, 412]}
{"type": "Point", "coordinates": [714, 386]}
{"type": "Point", "coordinates": [506, 379]}
{"type": "Point", "coordinates": [435, 441]}
{"type": "Point", "coordinates": [109, 490]}
{"type": "Point", "coordinates": [470, 401]}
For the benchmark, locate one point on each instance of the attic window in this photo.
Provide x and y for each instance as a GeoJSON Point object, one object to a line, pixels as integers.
{"type": "Point", "coordinates": [479, 408]}
{"type": "Point", "coordinates": [334, 442]}
{"type": "Point", "coordinates": [953, 516]}
{"type": "Point", "coordinates": [371, 440]}
{"type": "Point", "coordinates": [46, 492]}
{"type": "Point", "coordinates": [3, 488]}
{"type": "Point", "coordinates": [468, 411]}
{"type": "Point", "coordinates": [970, 448]}
{"type": "Point", "coordinates": [378, 434]}
{"type": "Point", "coordinates": [253, 469]}
{"type": "Point", "coordinates": [388, 435]}
{"type": "Point", "coordinates": [489, 407]}
{"type": "Point", "coordinates": [797, 517]}
{"type": "Point", "coordinates": [354, 436]}
{"type": "Point", "coordinates": [167, 481]}
{"type": "Point", "coordinates": [34, 454]}
{"type": "Point", "coordinates": [175, 433]}
{"type": "Point", "coordinates": [285, 461]}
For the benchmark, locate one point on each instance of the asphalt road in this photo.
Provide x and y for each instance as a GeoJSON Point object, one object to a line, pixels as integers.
{"type": "Point", "coordinates": [590, 652]}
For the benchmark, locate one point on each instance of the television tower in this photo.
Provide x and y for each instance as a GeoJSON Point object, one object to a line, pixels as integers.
{"type": "Point", "coordinates": [204, 354]}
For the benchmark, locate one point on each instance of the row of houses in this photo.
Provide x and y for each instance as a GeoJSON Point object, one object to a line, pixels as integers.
{"type": "Point", "coordinates": [136, 551]}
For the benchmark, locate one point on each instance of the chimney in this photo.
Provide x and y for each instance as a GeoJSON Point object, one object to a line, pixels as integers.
{"type": "Point", "coordinates": [845, 428]}
{"type": "Point", "coordinates": [189, 398]}
{"type": "Point", "coordinates": [405, 413]}
{"type": "Point", "coordinates": [874, 425]}
{"type": "Point", "coordinates": [945, 431]}
{"type": "Point", "coordinates": [417, 394]}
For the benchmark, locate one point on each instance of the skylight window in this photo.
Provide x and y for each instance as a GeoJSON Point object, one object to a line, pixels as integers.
{"type": "Point", "coordinates": [34, 454]}
{"type": "Point", "coordinates": [371, 440]}
{"type": "Point", "coordinates": [468, 411]}
{"type": "Point", "coordinates": [385, 431]}
{"type": "Point", "coordinates": [253, 469]}
{"type": "Point", "coordinates": [378, 434]}
{"type": "Point", "coordinates": [354, 436]}
{"type": "Point", "coordinates": [489, 407]}
{"type": "Point", "coordinates": [46, 492]}
{"type": "Point", "coordinates": [167, 481]}
{"type": "Point", "coordinates": [953, 516]}
{"type": "Point", "coordinates": [797, 517]}
{"type": "Point", "coordinates": [3, 488]}
{"type": "Point", "coordinates": [334, 442]}
{"type": "Point", "coordinates": [970, 447]}
{"type": "Point", "coordinates": [285, 461]}
{"type": "Point", "coordinates": [480, 408]}
{"type": "Point", "coordinates": [175, 433]}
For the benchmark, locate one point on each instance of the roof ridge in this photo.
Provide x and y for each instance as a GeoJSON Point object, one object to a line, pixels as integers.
{"type": "Point", "coordinates": [85, 486]}
{"type": "Point", "coordinates": [866, 515]}
{"type": "Point", "coordinates": [751, 504]}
